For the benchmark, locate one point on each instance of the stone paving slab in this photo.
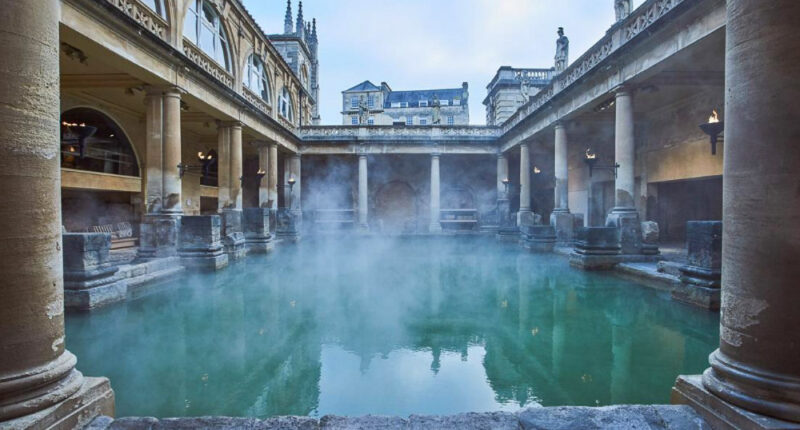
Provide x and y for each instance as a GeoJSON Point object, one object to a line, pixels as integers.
{"type": "Point", "coordinates": [636, 417]}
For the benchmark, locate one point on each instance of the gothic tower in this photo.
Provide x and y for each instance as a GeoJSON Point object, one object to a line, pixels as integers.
{"type": "Point", "coordinates": [287, 20]}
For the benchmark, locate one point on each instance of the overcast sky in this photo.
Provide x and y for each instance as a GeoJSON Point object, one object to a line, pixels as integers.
{"type": "Point", "coordinates": [425, 44]}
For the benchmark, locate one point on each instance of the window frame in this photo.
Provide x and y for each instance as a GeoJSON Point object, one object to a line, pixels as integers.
{"type": "Point", "coordinates": [252, 69]}
{"type": "Point", "coordinates": [286, 104]}
{"type": "Point", "coordinates": [196, 16]}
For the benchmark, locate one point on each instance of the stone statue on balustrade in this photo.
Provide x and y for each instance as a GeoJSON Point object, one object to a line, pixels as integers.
{"type": "Point", "coordinates": [622, 8]}
{"type": "Point", "coordinates": [562, 51]}
{"type": "Point", "coordinates": [437, 110]}
{"type": "Point", "coordinates": [363, 111]}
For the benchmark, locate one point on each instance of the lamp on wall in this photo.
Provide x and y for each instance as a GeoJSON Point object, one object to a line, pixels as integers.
{"type": "Point", "coordinates": [206, 161]}
{"type": "Point", "coordinates": [591, 161]}
{"type": "Point", "coordinates": [259, 175]}
{"type": "Point", "coordinates": [506, 182]}
{"type": "Point", "coordinates": [713, 128]}
{"type": "Point", "coordinates": [83, 132]}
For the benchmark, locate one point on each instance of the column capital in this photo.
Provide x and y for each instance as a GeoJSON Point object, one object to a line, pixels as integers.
{"type": "Point", "coordinates": [436, 154]}
{"type": "Point", "coordinates": [622, 90]}
{"type": "Point", "coordinates": [560, 124]}
{"type": "Point", "coordinates": [501, 155]}
{"type": "Point", "coordinates": [173, 91]}
{"type": "Point", "coordinates": [228, 124]}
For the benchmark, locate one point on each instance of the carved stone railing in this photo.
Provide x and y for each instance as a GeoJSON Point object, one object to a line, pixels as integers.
{"type": "Point", "coordinates": [395, 133]}
{"type": "Point", "coordinates": [206, 63]}
{"type": "Point", "coordinates": [142, 14]}
{"type": "Point", "coordinates": [616, 38]}
{"type": "Point", "coordinates": [540, 75]}
{"type": "Point", "coordinates": [257, 101]}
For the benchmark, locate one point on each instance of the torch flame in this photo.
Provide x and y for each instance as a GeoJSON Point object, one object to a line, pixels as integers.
{"type": "Point", "coordinates": [714, 117]}
{"type": "Point", "coordinates": [590, 155]}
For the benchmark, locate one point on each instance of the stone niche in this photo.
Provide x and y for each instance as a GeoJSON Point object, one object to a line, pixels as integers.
{"type": "Point", "coordinates": [701, 276]}
{"type": "Point", "coordinates": [257, 228]}
{"type": "Point", "coordinates": [201, 244]}
{"type": "Point", "coordinates": [233, 238]}
{"type": "Point", "coordinates": [596, 248]}
{"type": "Point", "coordinates": [90, 280]}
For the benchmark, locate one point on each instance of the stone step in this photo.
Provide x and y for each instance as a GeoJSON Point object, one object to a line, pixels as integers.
{"type": "Point", "coordinates": [670, 268]}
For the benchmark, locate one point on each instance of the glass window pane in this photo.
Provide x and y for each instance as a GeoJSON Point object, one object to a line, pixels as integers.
{"type": "Point", "coordinates": [190, 27]}
{"type": "Point", "coordinates": [206, 40]}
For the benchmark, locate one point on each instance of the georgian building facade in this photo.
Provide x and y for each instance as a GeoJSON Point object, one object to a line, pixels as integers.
{"type": "Point", "coordinates": [388, 107]}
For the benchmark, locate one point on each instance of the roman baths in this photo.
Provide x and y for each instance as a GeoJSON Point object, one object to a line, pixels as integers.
{"type": "Point", "coordinates": [190, 241]}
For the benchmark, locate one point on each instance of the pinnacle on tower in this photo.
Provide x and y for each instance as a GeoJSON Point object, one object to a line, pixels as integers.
{"type": "Point", "coordinates": [314, 30]}
{"type": "Point", "coordinates": [287, 20]}
{"type": "Point", "coordinates": [301, 27]}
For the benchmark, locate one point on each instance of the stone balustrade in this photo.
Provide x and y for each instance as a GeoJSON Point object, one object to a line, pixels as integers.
{"type": "Point", "coordinates": [143, 15]}
{"type": "Point", "coordinates": [347, 133]}
{"type": "Point", "coordinates": [198, 57]}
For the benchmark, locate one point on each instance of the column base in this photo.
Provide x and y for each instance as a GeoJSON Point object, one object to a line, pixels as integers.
{"type": "Point", "coordinates": [508, 234]}
{"type": "Point", "coordinates": [158, 236]}
{"type": "Point", "coordinates": [260, 245]}
{"type": "Point", "coordinates": [94, 398]}
{"type": "Point", "coordinates": [630, 229]}
{"type": "Point", "coordinates": [564, 223]}
{"type": "Point", "coordinates": [689, 390]}
{"type": "Point", "coordinates": [538, 238]}
{"type": "Point", "coordinates": [696, 295]}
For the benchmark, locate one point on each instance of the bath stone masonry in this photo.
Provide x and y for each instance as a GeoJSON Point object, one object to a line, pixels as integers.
{"type": "Point", "coordinates": [538, 238]}
{"type": "Point", "coordinates": [754, 378]}
{"type": "Point", "coordinates": [701, 277]}
{"type": "Point", "coordinates": [507, 230]}
{"type": "Point", "coordinates": [201, 244]}
{"type": "Point", "coordinates": [232, 234]}
{"type": "Point", "coordinates": [90, 280]}
{"type": "Point", "coordinates": [257, 234]}
{"type": "Point", "coordinates": [39, 385]}
{"type": "Point", "coordinates": [596, 248]}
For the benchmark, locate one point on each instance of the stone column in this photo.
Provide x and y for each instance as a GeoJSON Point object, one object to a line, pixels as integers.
{"type": "Point", "coordinates": [263, 185]}
{"type": "Point", "coordinates": [236, 165]}
{"type": "Point", "coordinates": [294, 163]}
{"type": "Point", "coordinates": [624, 215]}
{"type": "Point", "coordinates": [363, 193]}
{"type": "Point", "coordinates": [154, 152]}
{"type": "Point", "coordinates": [757, 365]}
{"type": "Point", "coordinates": [524, 178]}
{"type": "Point", "coordinates": [561, 219]}
{"type": "Point", "coordinates": [502, 174]}
{"type": "Point", "coordinates": [224, 199]}
{"type": "Point", "coordinates": [38, 381]}
{"type": "Point", "coordinates": [272, 175]}
{"type": "Point", "coordinates": [435, 226]}
{"type": "Point", "coordinates": [172, 152]}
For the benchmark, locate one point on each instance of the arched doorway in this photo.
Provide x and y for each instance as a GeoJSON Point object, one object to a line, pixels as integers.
{"type": "Point", "coordinates": [396, 208]}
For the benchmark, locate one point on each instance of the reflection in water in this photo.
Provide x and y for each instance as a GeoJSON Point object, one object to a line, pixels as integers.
{"type": "Point", "coordinates": [391, 327]}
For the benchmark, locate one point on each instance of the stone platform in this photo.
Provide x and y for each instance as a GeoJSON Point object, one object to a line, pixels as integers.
{"type": "Point", "coordinates": [658, 417]}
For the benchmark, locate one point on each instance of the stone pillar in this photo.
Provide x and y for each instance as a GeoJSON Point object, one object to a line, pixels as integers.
{"type": "Point", "coordinates": [272, 176]}
{"type": "Point", "coordinates": [154, 152]}
{"type": "Point", "coordinates": [435, 225]}
{"type": "Point", "coordinates": [757, 365]}
{"type": "Point", "coordinates": [624, 215]}
{"type": "Point", "coordinates": [38, 381]}
{"type": "Point", "coordinates": [296, 172]}
{"type": "Point", "coordinates": [561, 219]}
{"type": "Point", "coordinates": [363, 193]}
{"type": "Point", "coordinates": [172, 152]}
{"type": "Point", "coordinates": [263, 185]}
{"type": "Point", "coordinates": [236, 166]}
{"type": "Point", "coordinates": [524, 178]}
{"type": "Point", "coordinates": [224, 166]}
{"type": "Point", "coordinates": [502, 174]}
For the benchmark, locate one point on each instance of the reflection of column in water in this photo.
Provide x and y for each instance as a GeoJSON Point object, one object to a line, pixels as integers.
{"type": "Point", "coordinates": [435, 283]}
{"type": "Point", "coordinates": [559, 330]}
{"type": "Point", "coordinates": [621, 341]}
{"type": "Point", "coordinates": [523, 289]}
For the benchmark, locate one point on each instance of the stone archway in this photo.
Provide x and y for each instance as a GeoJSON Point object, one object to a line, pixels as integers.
{"type": "Point", "coordinates": [396, 208]}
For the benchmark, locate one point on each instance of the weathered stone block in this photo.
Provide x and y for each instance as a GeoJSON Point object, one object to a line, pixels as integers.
{"type": "Point", "coordinates": [201, 245]}
{"type": "Point", "coordinates": [596, 248]}
{"type": "Point", "coordinates": [287, 225]}
{"type": "Point", "coordinates": [158, 236]}
{"type": "Point", "coordinates": [630, 230]}
{"type": "Point", "coordinates": [258, 238]}
{"type": "Point", "coordinates": [701, 277]}
{"type": "Point", "coordinates": [538, 238]}
{"type": "Point", "coordinates": [335, 422]}
{"type": "Point", "coordinates": [465, 421]}
{"type": "Point", "coordinates": [528, 218]}
{"type": "Point", "coordinates": [650, 236]}
{"type": "Point", "coordinates": [564, 224]}
{"type": "Point", "coordinates": [90, 280]}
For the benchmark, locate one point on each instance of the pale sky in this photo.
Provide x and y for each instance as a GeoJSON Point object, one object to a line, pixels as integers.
{"type": "Point", "coordinates": [426, 44]}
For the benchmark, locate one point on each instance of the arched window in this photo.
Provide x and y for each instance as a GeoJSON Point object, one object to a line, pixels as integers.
{"type": "Point", "coordinates": [92, 141]}
{"type": "Point", "coordinates": [256, 77]}
{"type": "Point", "coordinates": [158, 6]}
{"type": "Point", "coordinates": [285, 105]}
{"type": "Point", "coordinates": [203, 27]}
{"type": "Point", "coordinates": [304, 75]}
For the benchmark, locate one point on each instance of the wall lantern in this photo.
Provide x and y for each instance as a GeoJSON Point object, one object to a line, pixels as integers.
{"type": "Point", "coordinates": [591, 161]}
{"type": "Point", "coordinates": [84, 132]}
{"type": "Point", "coordinates": [259, 175]}
{"type": "Point", "coordinates": [713, 128]}
{"type": "Point", "coordinates": [291, 182]}
{"type": "Point", "coordinates": [536, 170]}
{"type": "Point", "coordinates": [506, 182]}
{"type": "Point", "coordinates": [206, 161]}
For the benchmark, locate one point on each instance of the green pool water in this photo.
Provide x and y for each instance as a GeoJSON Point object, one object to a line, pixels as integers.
{"type": "Point", "coordinates": [361, 326]}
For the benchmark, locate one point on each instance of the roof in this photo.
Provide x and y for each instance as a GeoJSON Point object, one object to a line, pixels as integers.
{"type": "Point", "coordinates": [413, 97]}
{"type": "Point", "coordinates": [364, 86]}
